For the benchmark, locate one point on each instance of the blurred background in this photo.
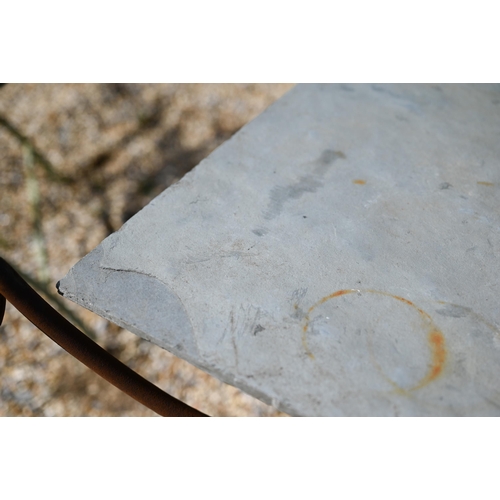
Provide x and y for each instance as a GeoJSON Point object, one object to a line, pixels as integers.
{"type": "Point", "coordinates": [76, 162]}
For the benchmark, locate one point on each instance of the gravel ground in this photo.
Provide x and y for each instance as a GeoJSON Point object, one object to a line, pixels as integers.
{"type": "Point", "coordinates": [113, 148]}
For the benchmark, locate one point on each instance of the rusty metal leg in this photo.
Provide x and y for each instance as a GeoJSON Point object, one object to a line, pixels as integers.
{"type": "Point", "coordinates": [49, 321]}
{"type": "Point", "coordinates": [2, 308]}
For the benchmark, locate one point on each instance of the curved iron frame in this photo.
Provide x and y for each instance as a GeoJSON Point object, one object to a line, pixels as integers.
{"type": "Point", "coordinates": [14, 289]}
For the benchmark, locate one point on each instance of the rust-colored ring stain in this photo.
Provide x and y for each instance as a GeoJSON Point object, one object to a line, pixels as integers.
{"type": "Point", "coordinates": [435, 337]}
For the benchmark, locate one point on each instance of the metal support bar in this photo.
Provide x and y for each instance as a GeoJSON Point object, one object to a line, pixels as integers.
{"type": "Point", "coordinates": [49, 321]}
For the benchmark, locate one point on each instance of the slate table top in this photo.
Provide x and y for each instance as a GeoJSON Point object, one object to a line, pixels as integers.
{"type": "Point", "coordinates": [338, 256]}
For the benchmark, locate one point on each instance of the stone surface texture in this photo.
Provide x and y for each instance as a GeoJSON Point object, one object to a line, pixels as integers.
{"type": "Point", "coordinates": [337, 256]}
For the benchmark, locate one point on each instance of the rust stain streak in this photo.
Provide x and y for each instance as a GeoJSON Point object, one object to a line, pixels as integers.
{"type": "Point", "coordinates": [406, 301]}
{"type": "Point", "coordinates": [304, 338]}
{"type": "Point", "coordinates": [436, 340]}
{"type": "Point", "coordinates": [402, 299]}
{"type": "Point", "coordinates": [483, 183]}
{"type": "Point", "coordinates": [438, 349]}
{"type": "Point", "coordinates": [331, 296]}
{"type": "Point", "coordinates": [359, 181]}
{"type": "Point", "coordinates": [423, 313]}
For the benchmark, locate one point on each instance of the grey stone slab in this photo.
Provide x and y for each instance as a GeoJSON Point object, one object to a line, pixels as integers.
{"type": "Point", "coordinates": [338, 256]}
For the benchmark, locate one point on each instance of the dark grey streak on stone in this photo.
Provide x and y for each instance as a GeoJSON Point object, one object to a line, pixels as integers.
{"type": "Point", "coordinates": [379, 88]}
{"type": "Point", "coordinates": [306, 184]}
{"type": "Point", "coordinates": [453, 311]}
{"type": "Point", "coordinates": [404, 101]}
{"type": "Point", "coordinates": [258, 328]}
